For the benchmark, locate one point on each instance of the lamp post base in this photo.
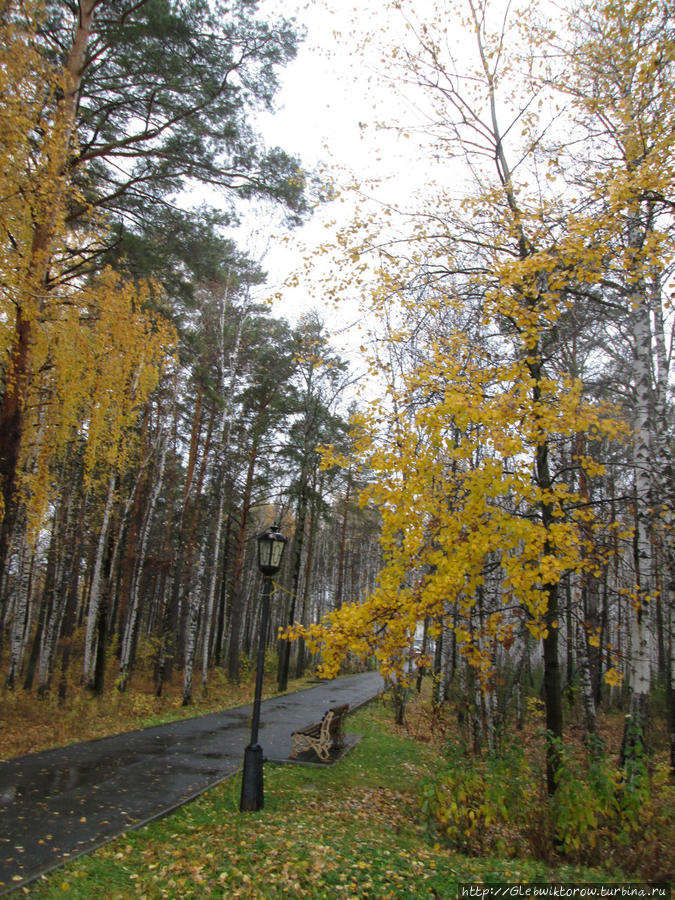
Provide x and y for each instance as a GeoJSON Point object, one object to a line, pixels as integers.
{"type": "Point", "coordinates": [252, 797]}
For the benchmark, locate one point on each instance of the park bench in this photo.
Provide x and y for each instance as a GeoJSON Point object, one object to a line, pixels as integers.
{"type": "Point", "coordinates": [323, 736]}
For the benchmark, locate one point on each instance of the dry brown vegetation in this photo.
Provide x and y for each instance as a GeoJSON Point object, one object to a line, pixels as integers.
{"type": "Point", "coordinates": [30, 724]}
{"type": "Point", "coordinates": [639, 842]}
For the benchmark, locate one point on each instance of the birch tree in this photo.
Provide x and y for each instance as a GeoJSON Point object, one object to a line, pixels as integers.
{"type": "Point", "coordinates": [621, 81]}
{"type": "Point", "coordinates": [484, 417]}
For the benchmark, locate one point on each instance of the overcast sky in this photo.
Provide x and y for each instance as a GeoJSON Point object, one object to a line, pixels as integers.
{"type": "Point", "coordinates": [326, 114]}
{"type": "Point", "coordinates": [327, 104]}
{"type": "Point", "coordinates": [317, 119]}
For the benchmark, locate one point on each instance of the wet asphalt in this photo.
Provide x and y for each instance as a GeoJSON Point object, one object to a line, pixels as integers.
{"type": "Point", "coordinates": [58, 804]}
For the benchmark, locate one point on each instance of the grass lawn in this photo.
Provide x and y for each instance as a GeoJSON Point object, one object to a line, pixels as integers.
{"type": "Point", "coordinates": [348, 830]}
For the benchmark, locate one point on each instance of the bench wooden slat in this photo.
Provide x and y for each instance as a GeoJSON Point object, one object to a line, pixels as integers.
{"type": "Point", "coordinates": [310, 730]}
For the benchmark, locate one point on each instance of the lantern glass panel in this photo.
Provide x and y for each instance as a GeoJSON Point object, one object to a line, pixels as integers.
{"type": "Point", "coordinates": [264, 551]}
{"type": "Point", "coordinates": [270, 550]}
{"type": "Point", "coordinates": [276, 551]}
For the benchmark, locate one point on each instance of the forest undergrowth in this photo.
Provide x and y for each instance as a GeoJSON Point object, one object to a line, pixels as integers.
{"type": "Point", "coordinates": [493, 802]}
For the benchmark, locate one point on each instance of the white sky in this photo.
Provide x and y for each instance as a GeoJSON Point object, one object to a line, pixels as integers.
{"type": "Point", "coordinates": [326, 113]}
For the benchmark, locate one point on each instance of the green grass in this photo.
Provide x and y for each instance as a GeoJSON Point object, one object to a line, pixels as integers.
{"type": "Point", "coordinates": [350, 830]}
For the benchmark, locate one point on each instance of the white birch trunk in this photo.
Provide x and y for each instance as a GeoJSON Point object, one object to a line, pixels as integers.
{"type": "Point", "coordinates": [489, 707]}
{"type": "Point", "coordinates": [21, 613]}
{"type": "Point", "coordinates": [666, 497]}
{"type": "Point", "coordinates": [193, 611]}
{"type": "Point", "coordinates": [132, 614]}
{"type": "Point", "coordinates": [476, 715]}
{"type": "Point", "coordinates": [639, 607]}
{"type": "Point", "coordinates": [586, 682]}
{"type": "Point", "coordinates": [95, 593]}
{"type": "Point", "coordinates": [226, 431]}
{"type": "Point", "coordinates": [56, 609]}
{"type": "Point", "coordinates": [17, 610]}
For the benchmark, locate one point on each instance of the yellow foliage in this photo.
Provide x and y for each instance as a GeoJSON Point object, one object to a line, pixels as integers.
{"type": "Point", "coordinates": [450, 478]}
{"type": "Point", "coordinates": [613, 677]}
{"type": "Point", "coordinates": [100, 353]}
{"type": "Point", "coordinates": [28, 87]}
{"type": "Point", "coordinates": [456, 450]}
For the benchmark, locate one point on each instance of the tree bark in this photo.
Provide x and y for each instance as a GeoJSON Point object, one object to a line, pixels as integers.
{"type": "Point", "coordinates": [95, 592]}
{"type": "Point", "coordinates": [130, 625]}
{"type": "Point", "coordinates": [296, 564]}
{"type": "Point", "coordinates": [195, 606]}
{"type": "Point", "coordinates": [21, 614]}
{"type": "Point", "coordinates": [237, 599]}
{"type": "Point", "coordinates": [639, 607]}
{"type": "Point", "coordinates": [339, 587]}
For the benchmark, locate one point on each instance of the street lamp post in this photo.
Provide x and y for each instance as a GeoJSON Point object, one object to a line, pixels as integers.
{"type": "Point", "coordinates": [270, 551]}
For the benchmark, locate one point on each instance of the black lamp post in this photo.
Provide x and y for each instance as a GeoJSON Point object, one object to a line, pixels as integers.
{"type": "Point", "coordinates": [270, 551]}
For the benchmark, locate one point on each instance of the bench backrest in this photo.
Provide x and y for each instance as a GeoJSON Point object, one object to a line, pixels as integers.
{"type": "Point", "coordinates": [332, 720]}
{"type": "Point", "coordinates": [325, 724]}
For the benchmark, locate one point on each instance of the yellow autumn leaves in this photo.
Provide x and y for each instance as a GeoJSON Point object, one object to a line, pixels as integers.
{"type": "Point", "coordinates": [494, 303]}
{"type": "Point", "coordinates": [451, 473]}
{"type": "Point", "coordinates": [99, 354]}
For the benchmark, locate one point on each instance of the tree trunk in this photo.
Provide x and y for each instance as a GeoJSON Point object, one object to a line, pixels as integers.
{"type": "Point", "coordinates": [237, 598]}
{"type": "Point", "coordinates": [222, 599]}
{"type": "Point", "coordinates": [195, 605]}
{"type": "Point", "coordinates": [130, 625]}
{"type": "Point", "coordinates": [95, 592]}
{"type": "Point", "coordinates": [639, 608]}
{"type": "Point", "coordinates": [56, 596]}
{"type": "Point", "coordinates": [666, 510]}
{"type": "Point", "coordinates": [296, 564]}
{"type": "Point", "coordinates": [22, 614]}
{"type": "Point", "coordinates": [211, 593]}
{"type": "Point", "coordinates": [421, 669]}
{"type": "Point", "coordinates": [171, 620]}
{"type": "Point", "coordinates": [225, 432]}
{"type": "Point", "coordinates": [301, 661]}
{"type": "Point", "coordinates": [438, 693]}
{"type": "Point", "coordinates": [586, 688]}
{"type": "Point", "coordinates": [343, 544]}
{"type": "Point", "coordinates": [69, 617]}
{"type": "Point", "coordinates": [98, 683]}
{"type": "Point", "coordinates": [552, 677]}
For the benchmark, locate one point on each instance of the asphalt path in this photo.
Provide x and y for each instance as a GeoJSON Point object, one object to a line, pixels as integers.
{"type": "Point", "coordinates": [58, 804]}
